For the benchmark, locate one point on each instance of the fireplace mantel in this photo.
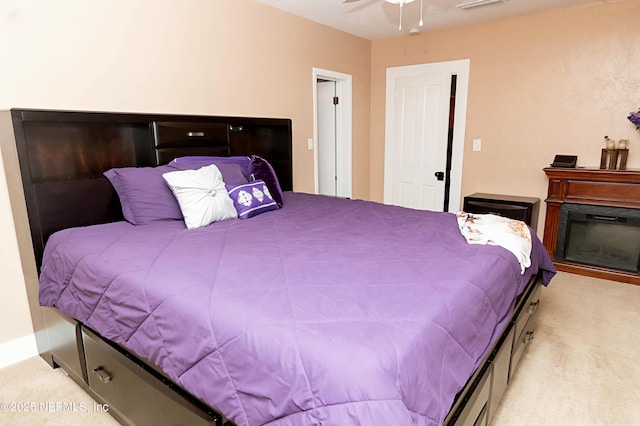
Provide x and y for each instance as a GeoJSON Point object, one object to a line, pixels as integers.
{"type": "Point", "coordinates": [600, 187]}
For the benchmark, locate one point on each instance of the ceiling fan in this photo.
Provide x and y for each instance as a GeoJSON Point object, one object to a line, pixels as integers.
{"type": "Point", "coordinates": [466, 4]}
{"type": "Point", "coordinates": [401, 4]}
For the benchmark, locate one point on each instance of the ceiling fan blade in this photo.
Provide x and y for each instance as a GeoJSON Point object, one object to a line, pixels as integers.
{"type": "Point", "coordinates": [349, 1]}
{"type": "Point", "coordinates": [361, 6]}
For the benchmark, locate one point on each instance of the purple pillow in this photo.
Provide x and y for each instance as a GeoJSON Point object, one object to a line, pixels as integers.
{"type": "Point", "coordinates": [145, 196]}
{"type": "Point", "coordinates": [260, 169]}
{"type": "Point", "coordinates": [251, 199]}
{"type": "Point", "coordinates": [241, 160]}
{"type": "Point", "coordinates": [233, 174]}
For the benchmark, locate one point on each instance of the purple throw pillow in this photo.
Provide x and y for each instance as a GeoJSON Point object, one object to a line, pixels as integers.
{"type": "Point", "coordinates": [260, 169]}
{"type": "Point", "coordinates": [233, 174]}
{"type": "Point", "coordinates": [251, 199]}
{"type": "Point", "coordinates": [145, 196]}
{"type": "Point", "coordinates": [203, 160]}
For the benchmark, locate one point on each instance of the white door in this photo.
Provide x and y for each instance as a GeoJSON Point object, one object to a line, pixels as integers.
{"type": "Point", "coordinates": [417, 132]}
{"type": "Point", "coordinates": [327, 172]}
{"type": "Point", "coordinates": [332, 122]}
{"type": "Point", "coordinates": [420, 141]}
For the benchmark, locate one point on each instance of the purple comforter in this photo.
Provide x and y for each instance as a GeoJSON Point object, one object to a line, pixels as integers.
{"type": "Point", "coordinates": [326, 312]}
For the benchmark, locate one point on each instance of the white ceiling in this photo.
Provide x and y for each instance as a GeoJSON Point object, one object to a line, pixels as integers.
{"type": "Point", "coordinates": [376, 19]}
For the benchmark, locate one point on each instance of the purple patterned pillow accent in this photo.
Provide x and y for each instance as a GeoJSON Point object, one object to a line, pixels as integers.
{"type": "Point", "coordinates": [260, 169]}
{"type": "Point", "coordinates": [251, 199]}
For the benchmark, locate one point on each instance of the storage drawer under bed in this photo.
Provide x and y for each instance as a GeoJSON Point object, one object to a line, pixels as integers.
{"type": "Point", "coordinates": [128, 388]}
{"type": "Point", "coordinates": [524, 327]}
{"type": "Point", "coordinates": [476, 410]}
{"type": "Point", "coordinates": [66, 349]}
{"type": "Point", "coordinates": [501, 360]}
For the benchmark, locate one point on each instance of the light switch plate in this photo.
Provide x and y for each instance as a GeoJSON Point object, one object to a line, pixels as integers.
{"type": "Point", "coordinates": [477, 144]}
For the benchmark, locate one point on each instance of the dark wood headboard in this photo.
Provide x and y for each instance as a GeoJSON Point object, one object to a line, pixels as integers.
{"type": "Point", "coordinates": [62, 155]}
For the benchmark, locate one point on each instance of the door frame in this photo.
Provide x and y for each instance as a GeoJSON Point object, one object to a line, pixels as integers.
{"type": "Point", "coordinates": [343, 129]}
{"type": "Point", "coordinates": [459, 68]}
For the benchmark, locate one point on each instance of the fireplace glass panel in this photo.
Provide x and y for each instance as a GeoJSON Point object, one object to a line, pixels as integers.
{"type": "Point", "coordinates": [612, 245]}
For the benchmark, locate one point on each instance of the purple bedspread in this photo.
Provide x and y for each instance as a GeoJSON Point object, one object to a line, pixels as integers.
{"type": "Point", "coordinates": [326, 312]}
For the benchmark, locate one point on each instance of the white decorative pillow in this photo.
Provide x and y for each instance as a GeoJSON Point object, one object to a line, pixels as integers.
{"type": "Point", "coordinates": [202, 196]}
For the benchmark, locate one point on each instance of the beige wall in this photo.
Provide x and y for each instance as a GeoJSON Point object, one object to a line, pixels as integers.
{"type": "Point", "coordinates": [226, 57]}
{"type": "Point", "coordinates": [539, 85]}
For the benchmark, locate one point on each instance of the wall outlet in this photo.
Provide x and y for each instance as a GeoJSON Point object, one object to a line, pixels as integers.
{"type": "Point", "coordinates": [477, 144]}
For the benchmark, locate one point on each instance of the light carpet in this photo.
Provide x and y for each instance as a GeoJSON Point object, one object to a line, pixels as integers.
{"type": "Point", "coordinates": [582, 368]}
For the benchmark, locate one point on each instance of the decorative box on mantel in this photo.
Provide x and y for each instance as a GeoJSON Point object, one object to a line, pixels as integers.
{"type": "Point", "coordinates": [592, 224]}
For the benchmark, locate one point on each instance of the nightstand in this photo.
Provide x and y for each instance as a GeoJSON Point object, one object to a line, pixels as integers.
{"type": "Point", "coordinates": [514, 207]}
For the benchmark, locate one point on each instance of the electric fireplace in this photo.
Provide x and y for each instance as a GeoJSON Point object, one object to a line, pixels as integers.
{"type": "Point", "coordinates": [607, 237]}
{"type": "Point", "coordinates": [592, 222]}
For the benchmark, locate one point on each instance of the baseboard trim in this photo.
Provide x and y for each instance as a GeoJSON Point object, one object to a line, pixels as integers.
{"type": "Point", "coordinates": [18, 350]}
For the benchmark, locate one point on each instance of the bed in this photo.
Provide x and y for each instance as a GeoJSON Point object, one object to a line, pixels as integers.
{"type": "Point", "coordinates": [323, 311]}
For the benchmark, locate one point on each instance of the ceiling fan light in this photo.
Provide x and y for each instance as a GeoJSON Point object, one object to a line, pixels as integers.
{"type": "Point", "coordinates": [401, 3]}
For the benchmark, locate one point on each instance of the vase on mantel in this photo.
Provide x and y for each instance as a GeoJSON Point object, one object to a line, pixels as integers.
{"type": "Point", "coordinates": [611, 144]}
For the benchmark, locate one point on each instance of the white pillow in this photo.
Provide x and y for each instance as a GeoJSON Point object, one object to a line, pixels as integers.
{"type": "Point", "coordinates": [202, 196]}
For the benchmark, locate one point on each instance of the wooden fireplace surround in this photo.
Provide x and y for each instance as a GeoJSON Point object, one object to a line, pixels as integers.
{"type": "Point", "coordinates": [598, 187]}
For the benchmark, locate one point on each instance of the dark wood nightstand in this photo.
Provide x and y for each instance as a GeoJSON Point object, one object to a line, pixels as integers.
{"type": "Point", "coordinates": [520, 208]}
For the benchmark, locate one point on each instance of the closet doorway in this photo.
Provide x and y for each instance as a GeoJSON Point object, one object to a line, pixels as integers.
{"type": "Point", "coordinates": [332, 133]}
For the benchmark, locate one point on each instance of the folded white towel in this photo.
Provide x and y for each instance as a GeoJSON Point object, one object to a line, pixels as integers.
{"type": "Point", "coordinates": [513, 235]}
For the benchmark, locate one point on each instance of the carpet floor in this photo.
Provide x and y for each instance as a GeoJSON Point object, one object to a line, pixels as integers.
{"type": "Point", "coordinates": [582, 368]}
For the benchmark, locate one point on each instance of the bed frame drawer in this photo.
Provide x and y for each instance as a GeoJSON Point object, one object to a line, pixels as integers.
{"type": "Point", "coordinates": [476, 411]}
{"type": "Point", "coordinates": [109, 372]}
{"type": "Point", "coordinates": [518, 348]}
{"type": "Point", "coordinates": [529, 309]}
{"type": "Point", "coordinates": [500, 377]}
{"type": "Point", "coordinates": [524, 327]}
{"type": "Point", "coordinates": [66, 350]}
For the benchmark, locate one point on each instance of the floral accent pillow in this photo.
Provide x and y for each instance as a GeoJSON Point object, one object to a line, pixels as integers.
{"type": "Point", "coordinates": [251, 199]}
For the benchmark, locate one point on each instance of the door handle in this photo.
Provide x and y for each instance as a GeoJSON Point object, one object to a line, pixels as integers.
{"type": "Point", "coordinates": [439, 175]}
